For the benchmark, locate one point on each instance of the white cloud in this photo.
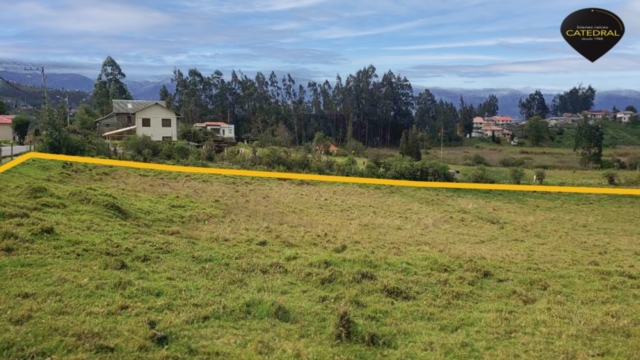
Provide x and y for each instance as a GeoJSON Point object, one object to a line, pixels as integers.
{"type": "Point", "coordinates": [337, 33]}
{"type": "Point", "coordinates": [250, 6]}
{"type": "Point", "coordinates": [489, 42]}
{"type": "Point", "coordinates": [89, 16]}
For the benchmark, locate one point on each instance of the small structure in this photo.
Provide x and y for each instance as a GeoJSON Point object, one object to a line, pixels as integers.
{"type": "Point", "coordinates": [6, 129]}
{"type": "Point", "coordinates": [220, 128]}
{"type": "Point", "coordinates": [625, 116]}
{"type": "Point", "coordinates": [596, 114]}
{"type": "Point", "coordinates": [142, 117]}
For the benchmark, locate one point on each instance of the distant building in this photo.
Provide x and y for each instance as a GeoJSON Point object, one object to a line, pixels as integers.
{"type": "Point", "coordinates": [501, 120]}
{"type": "Point", "coordinates": [597, 114]}
{"type": "Point", "coordinates": [220, 128]}
{"type": "Point", "coordinates": [625, 116]}
{"type": "Point", "coordinates": [6, 129]}
{"type": "Point", "coordinates": [142, 117]}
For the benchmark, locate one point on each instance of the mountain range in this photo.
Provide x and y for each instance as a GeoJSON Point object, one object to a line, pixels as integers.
{"type": "Point", "coordinates": [508, 97]}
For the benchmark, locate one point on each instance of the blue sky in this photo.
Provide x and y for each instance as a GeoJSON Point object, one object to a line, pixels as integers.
{"type": "Point", "coordinates": [453, 44]}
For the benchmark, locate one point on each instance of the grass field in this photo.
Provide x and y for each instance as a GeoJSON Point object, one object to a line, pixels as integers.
{"type": "Point", "coordinates": [109, 263]}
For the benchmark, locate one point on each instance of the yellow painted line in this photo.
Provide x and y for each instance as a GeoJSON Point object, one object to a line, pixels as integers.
{"type": "Point", "coordinates": [326, 178]}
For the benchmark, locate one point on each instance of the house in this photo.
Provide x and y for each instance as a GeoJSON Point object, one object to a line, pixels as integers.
{"type": "Point", "coordinates": [222, 129]}
{"type": "Point", "coordinates": [491, 129]}
{"type": "Point", "coordinates": [6, 129]}
{"type": "Point", "coordinates": [141, 117]}
{"type": "Point", "coordinates": [625, 116]}
{"type": "Point", "coordinates": [478, 123]}
{"type": "Point", "coordinates": [332, 149]}
{"type": "Point", "coordinates": [502, 120]}
{"type": "Point", "coordinates": [596, 114]}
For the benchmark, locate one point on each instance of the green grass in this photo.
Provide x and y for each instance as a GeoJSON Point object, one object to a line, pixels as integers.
{"type": "Point", "coordinates": [109, 263]}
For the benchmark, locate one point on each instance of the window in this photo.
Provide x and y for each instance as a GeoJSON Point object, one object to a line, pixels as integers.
{"type": "Point", "coordinates": [222, 132]}
{"type": "Point", "coordinates": [166, 138]}
{"type": "Point", "coordinates": [166, 122]}
{"type": "Point", "coordinates": [128, 119]}
{"type": "Point", "coordinates": [146, 122]}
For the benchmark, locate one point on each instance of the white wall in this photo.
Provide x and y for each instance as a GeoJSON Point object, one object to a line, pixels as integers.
{"type": "Point", "coordinates": [6, 132]}
{"type": "Point", "coordinates": [156, 113]}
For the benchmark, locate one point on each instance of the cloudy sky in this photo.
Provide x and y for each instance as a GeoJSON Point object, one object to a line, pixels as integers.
{"type": "Point", "coordinates": [454, 43]}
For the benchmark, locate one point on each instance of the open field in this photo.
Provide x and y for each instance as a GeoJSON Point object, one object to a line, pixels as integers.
{"type": "Point", "coordinates": [101, 262]}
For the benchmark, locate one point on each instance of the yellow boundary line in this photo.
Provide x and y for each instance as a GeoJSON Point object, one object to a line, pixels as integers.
{"type": "Point", "coordinates": [326, 178]}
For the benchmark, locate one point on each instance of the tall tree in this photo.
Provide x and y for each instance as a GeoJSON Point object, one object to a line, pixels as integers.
{"type": "Point", "coordinates": [166, 96]}
{"type": "Point", "coordinates": [109, 86]}
{"type": "Point", "coordinates": [588, 141]}
{"type": "Point", "coordinates": [537, 130]}
{"type": "Point", "coordinates": [466, 112]}
{"type": "Point", "coordinates": [574, 101]}
{"type": "Point", "coordinates": [631, 108]}
{"type": "Point", "coordinates": [489, 107]}
{"type": "Point", "coordinates": [20, 125]}
{"type": "Point", "coordinates": [426, 112]}
{"type": "Point", "coordinates": [3, 108]}
{"type": "Point", "coordinates": [533, 105]}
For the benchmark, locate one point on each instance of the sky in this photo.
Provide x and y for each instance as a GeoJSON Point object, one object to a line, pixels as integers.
{"type": "Point", "coordinates": [451, 44]}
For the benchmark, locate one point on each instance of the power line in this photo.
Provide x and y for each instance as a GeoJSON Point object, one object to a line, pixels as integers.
{"type": "Point", "coordinates": [13, 86]}
{"type": "Point", "coordinates": [44, 83]}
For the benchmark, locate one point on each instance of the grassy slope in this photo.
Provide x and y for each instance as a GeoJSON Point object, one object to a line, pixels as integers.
{"type": "Point", "coordinates": [246, 268]}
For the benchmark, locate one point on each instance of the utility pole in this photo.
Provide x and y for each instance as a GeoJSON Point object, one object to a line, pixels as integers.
{"type": "Point", "coordinates": [44, 84]}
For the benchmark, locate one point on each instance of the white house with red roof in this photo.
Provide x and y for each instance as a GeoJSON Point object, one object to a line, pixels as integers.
{"type": "Point", "coordinates": [597, 114]}
{"type": "Point", "coordinates": [223, 129]}
{"type": "Point", "coordinates": [502, 120]}
{"type": "Point", "coordinates": [6, 129]}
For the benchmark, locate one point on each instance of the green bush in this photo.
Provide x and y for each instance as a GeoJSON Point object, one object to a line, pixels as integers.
{"type": "Point", "coordinates": [142, 148]}
{"type": "Point", "coordinates": [633, 162]}
{"type": "Point", "coordinates": [404, 168]}
{"type": "Point", "coordinates": [355, 148]}
{"type": "Point", "coordinates": [541, 175]}
{"type": "Point", "coordinates": [611, 177]}
{"type": "Point", "coordinates": [517, 175]}
{"type": "Point", "coordinates": [511, 162]}
{"type": "Point", "coordinates": [478, 159]}
{"type": "Point", "coordinates": [481, 175]}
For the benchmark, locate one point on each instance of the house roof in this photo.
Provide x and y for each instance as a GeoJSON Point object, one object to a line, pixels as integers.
{"type": "Point", "coordinates": [133, 106]}
{"type": "Point", "coordinates": [478, 120]}
{"type": "Point", "coordinates": [333, 148]}
{"type": "Point", "coordinates": [119, 131]}
{"type": "Point", "coordinates": [212, 123]}
{"type": "Point", "coordinates": [502, 118]}
{"type": "Point", "coordinates": [6, 119]}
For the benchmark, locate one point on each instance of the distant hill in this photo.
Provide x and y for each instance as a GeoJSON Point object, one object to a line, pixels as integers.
{"type": "Point", "coordinates": [507, 97]}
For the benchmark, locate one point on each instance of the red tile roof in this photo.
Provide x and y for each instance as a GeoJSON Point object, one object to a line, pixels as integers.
{"type": "Point", "coordinates": [6, 119]}
{"type": "Point", "coordinates": [502, 118]}
{"type": "Point", "coordinates": [213, 123]}
{"type": "Point", "coordinates": [478, 120]}
{"type": "Point", "coordinates": [333, 148]}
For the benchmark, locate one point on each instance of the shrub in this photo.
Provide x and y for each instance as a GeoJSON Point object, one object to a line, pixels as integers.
{"type": "Point", "coordinates": [611, 177]}
{"type": "Point", "coordinates": [356, 148]}
{"type": "Point", "coordinates": [478, 159]}
{"type": "Point", "coordinates": [481, 175]}
{"type": "Point", "coordinates": [182, 150]}
{"type": "Point", "coordinates": [511, 162]}
{"type": "Point", "coordinates": [348, 168]}
{"type": "Point", "coordinates": [633, 162]}
{"type": "Point", "coordinates": [142, 148]}
{"type": "Point", "coordinates": [541, 175]}
{"type": "Point", "coordinates": [371, 170]}
{"type": "Point", "coordinates": [517, 174]}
